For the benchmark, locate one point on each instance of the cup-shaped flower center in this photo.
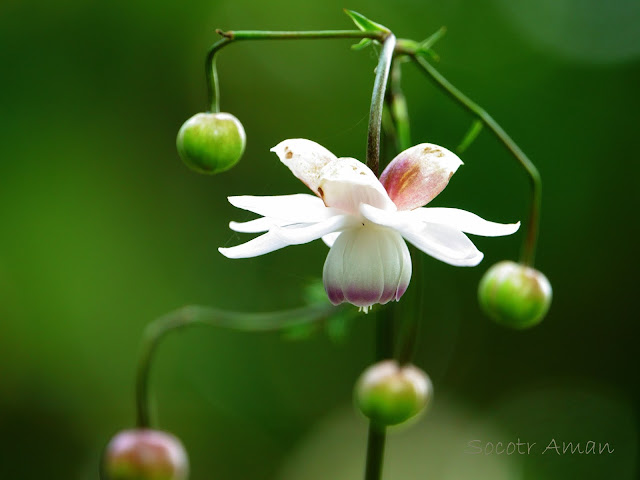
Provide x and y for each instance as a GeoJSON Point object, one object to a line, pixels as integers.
{"type": "Point", "coordinates": [366, 265]}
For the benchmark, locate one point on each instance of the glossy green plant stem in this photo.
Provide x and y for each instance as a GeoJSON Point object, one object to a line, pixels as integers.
{"type": "Point", "coordinates": [377, 103]}
{"type": "Point", "coordinates": [197, 315]}
{"type": "Point", "coordinates": [376, 438]}
{"type": "Point", "coordinates": [527, 255]}
{"type": "Point", "coordinates": [410, 311]}
{"type": "Point", "coordinates": [384, 327]}
{"type": "Point", "coordinates": [211, 73]}
{"type": "Point", "coordinates": [470, 136]}
{"type": "Point", "coordinates": [213, 89]}
{"type": "Point", "coordinates": [298, 35]}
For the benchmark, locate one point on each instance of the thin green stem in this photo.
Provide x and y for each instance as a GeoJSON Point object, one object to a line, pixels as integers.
{"type": "Point", "coordinates": [377, 103]}
{"type": "Point", "coordinates": [411, 309]}
{"type": "Point", "coordinates": [211, 73]}
{"type": "Point", "coordinates": [213, 89]}
{"type": "Point", "coordinates": [527, 255]}
{"type": "Point", "coordinates": [375, 452]}
{"type": "Point", "coordinates": [384, 335]}
{"type": "Point", "coordinates": [298, 35]}
{"type": "Point", "coordinates": [384, 320]}
{"type": "Point", "coordinates": [470, 136]}
{"type": "Point", "coordinates": [197, 315]}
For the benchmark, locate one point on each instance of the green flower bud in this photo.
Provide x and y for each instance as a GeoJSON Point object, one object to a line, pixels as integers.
{"type": "Point", "coordinates": [211, 142]}
{"type": "Point", "coordinates": [144, 454]}
{"type": "Point", "coordinates": [390, 394]}
{"type": "Point", "coordinates": [514, 295]}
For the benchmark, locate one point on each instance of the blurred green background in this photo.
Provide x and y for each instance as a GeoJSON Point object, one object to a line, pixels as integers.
{"type": "Point", "coordinates": [104, 229]}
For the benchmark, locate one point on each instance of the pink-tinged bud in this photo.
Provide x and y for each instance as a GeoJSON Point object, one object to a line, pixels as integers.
{"type": "Point", "coordinates": [211, 142]}
{"type": "Point", "coordinates": [418, 174]}
{"type": "Point", "coordinates": [514, 295]}
{"type": "Point", "coordinates": [389, 394]}
{"type": "Point", "coordinates": [144, 454]}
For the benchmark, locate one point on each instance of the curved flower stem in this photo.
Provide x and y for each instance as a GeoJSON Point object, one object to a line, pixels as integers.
{"type": "Point", "coordinates": [377, 103]}
{"type": "Point", "coordinates": [527, 255]}
{"type": "Point", "coordinates": [198, 315]}
{"type": "Point", "coordinates": [236, 35]}
{"type": "Point", "coordinates": [213, 87]}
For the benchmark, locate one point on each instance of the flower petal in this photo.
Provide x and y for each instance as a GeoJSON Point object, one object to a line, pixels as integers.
{"type": "Point", "coordinates": [346, 183]}
{"type": "Point", "coordinates": [304, 158]}
{"type": "Point", "coordinates": [396, 220]}
{"type": "Point", "coordinates": [261, 224]}
{"type": "Point", "coordinates": [279, 237]}
{"type": "Point", "coordinates": [300, 207]}
{"type": "Point", "coordinates": [330, 238]}
{"type": "Point", "coordinates": [367, 265]}
{"type": "Point", "coordinates": [452, 217]}
{"type": "Point", "coordinates": [465, 221]}
{"type": "Point", "coordinates": [418, 174]}
{"type": "Point", "coordinates": [308, 233]}
{"type": "Point", "coordinates": [444, 243]}
{"type": "Point", "coordinates": [258, 246]}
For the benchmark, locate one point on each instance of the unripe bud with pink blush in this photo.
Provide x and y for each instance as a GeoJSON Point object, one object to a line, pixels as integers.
{"type": "Point", "coordinates": [144, 454]}
{"type": "Point", "coordinates": [389, 394]}
{"type": "Point", "coordinates": [515, 295]}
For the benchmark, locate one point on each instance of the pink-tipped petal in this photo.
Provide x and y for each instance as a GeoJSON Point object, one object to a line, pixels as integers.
{"type": "Point", "coordinates": [367, 265]}
{"type": "Point", "coordinates": [418, 174]}
{"type": "Point", "coordinates": [305, 159]}
{"type": "Point", "coordinates": [346, 183]}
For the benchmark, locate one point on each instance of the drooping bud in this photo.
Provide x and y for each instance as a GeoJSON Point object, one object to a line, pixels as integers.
{"type": "Point", "coordinates": [211, 142]}
{"type": "Point", "coordinates": [515, 295]}
{"type": "Point", "coordinates": [144, 454]}
{"type": "Point", "coordinates": [389, 394]}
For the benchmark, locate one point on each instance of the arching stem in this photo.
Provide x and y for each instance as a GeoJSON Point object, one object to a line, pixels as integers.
{"type": "Point", "coordinates": [197, 315]}
{"type": "Point", "coordinates": [377, 103]}
{"type": "Point", "coordinates": [527, 255]}
{"type": "Point", "coordinates": [213, 88]}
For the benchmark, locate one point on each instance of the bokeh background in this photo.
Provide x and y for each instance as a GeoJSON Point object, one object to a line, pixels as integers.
{"type": "Point", "coordinates": [104, 229]}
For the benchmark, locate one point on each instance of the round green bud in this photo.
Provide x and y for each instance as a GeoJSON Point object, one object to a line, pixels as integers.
{"type": "Point", "coordinates": [389, 394]}
{"type": "Point", "coordinates": [514, 295]}
{"type": "Point", "coordinates": [144, 454]}
{"type": "Point", "coordinates": [211, 142]}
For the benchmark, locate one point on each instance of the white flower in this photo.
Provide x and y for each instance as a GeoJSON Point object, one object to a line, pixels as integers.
{"type": "Point", "coordinates": [364, 220]}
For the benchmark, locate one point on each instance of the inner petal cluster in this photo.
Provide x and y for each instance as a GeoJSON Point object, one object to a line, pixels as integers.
{"type": "Point", "coordinates": [367, 265]}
